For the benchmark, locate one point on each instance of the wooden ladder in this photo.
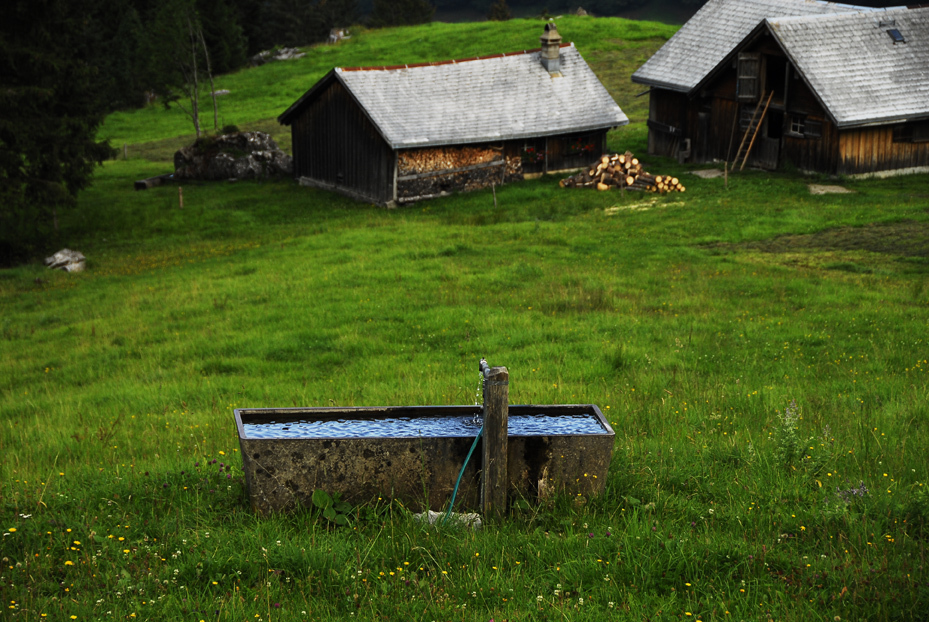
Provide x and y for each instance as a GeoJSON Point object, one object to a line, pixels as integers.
{"type": "Point", "coordinates": [753, 127]}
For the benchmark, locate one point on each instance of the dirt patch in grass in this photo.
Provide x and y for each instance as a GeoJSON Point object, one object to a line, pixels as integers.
{"type": "Point", "coordinates": [905, 239]}
{"type": "Point", "coordinates": [824, 189]}
{"type": "Point", "coordinates": [708, 173]}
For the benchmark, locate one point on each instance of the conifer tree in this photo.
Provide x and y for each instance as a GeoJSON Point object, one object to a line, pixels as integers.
{"type": "Point", "coordinates": [401, 12]}
{"type": "Point", "coordinates": [223, 34]}
{"type": "Point", "coordinates": [302, 22]}
{"type": "Point", "coordinates": [499, 11]}
{"type": "Point", "coordinates": [50, 109]}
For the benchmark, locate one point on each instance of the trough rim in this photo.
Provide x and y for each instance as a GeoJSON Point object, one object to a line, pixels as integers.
{"type": "Point", "coordinates": [387, 411]}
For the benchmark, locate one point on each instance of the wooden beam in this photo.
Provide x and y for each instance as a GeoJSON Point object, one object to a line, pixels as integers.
{"type": "Point", "coordinates": [494, 475]}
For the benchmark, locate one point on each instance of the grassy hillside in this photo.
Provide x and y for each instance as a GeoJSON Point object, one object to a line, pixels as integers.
{"type": "Point", "coordinates": [614, 47]}
{"type": "Point", "coordinates": [692, 320]}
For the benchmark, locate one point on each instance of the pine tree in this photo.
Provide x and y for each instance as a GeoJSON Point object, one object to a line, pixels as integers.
{"type": "Point", "coordinates": [286, 22]}
{"type": "Point", "coordinates": [50, 110]}
{"type": "Point", "coordinates": [499, 12]}
{"type": "Point", "coordinates": [224, 36]}
{"type": "Point", "coordinates": [401, 12]}
{"type": "Point", "coordinates": [336, 13]}
{"type": "Point", "coordinates": [179, 63]}
{"type": "Point", "coordinates": [115, 35]}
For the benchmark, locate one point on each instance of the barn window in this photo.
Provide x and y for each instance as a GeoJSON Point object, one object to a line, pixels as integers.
{"type": "Point", "coordinates": [802, 126]}
{"type": "Point", "coordinates": [813, 129]}
{"type": "Point", "coordinates": [749, 71]}
{"type": "Point", "coordinates": [921, 132]}
{"type": "Point", "coordinates": [916, 132]}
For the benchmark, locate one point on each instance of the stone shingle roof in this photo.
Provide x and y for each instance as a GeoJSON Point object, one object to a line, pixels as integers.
{"type": "Point", "coordinates": [853, 65]}
{"type": "Point", "coordinates": [502, 97]}
{"type": "Point", "coordinates": [709, 36]}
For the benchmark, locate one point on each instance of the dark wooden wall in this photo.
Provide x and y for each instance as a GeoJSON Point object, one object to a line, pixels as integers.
{"type": "Point", "coordinates": [872, 149]}
{"type": "Point", "coordinates": [559, 153]}
{"type": "Point", "coordinates": [335, 145]}
{"type": "Point", "coordinates": [808, 153]}
{"type": "Point", "coordinates": [819, 154]}
{"type": "Point", "coordinates": [572, 151]}
{"type": "Point", "coordinates": [667, 121]}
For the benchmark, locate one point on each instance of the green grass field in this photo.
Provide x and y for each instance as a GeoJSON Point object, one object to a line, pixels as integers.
{"type": "Point", "coordinates": [692, 320]}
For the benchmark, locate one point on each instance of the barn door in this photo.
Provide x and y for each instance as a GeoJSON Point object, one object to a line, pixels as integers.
{"type": "Point", "coordinates": [749, 73]}
{"type": "Point", "coordinates": [703, 137]}
{"type": "Point", "coordinates": [768, 146]}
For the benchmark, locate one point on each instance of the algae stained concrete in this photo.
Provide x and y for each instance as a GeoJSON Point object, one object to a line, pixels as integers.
{"type": "Point", "coordinates": [282, 473]}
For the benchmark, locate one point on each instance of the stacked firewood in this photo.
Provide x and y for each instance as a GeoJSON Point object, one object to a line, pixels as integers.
{"type": "Point", "coordinates": [427, 160]}
{"type": "Point", "coordinates": [621, 171]}
{"type": "Point", "coordinates": [654, 183]}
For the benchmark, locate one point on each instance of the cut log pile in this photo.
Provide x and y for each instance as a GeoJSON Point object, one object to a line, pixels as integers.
{"type": "Point", "coordinates": [621, 171]}
{"type": "Point", "coordinates": [417, 161]}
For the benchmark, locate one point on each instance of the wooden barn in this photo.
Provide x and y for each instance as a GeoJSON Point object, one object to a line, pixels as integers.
{"type": "Point", "coordinates": [829, 88]}
{"type": "Point", "coordinates": [397, 134]}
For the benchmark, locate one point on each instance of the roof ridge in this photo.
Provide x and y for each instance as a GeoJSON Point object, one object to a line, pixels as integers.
{"type": "Point", "coordinates": [868, 12]}
{"type": "Point", "coordinates": [453, 61]}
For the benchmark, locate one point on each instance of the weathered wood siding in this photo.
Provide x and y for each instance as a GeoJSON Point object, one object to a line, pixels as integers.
{"type": "Point", "coordinates": [808, 153]}
{"type": "Point", "coordinates": [724, 135]}
{"type": "Point", "coordinates": [573, 151]}
{"type": "Point", "coordinates": [335, 145]}
{"type": "Point", "coordinates": [871, 150]}
{"type": "Point", "coordinates": [557, 153]}
{"type": "Point", "coordinates": [667, 121]}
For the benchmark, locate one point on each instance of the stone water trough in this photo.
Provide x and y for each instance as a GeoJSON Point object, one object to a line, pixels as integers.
{"type": "Point", "coordinates": [414, 454]}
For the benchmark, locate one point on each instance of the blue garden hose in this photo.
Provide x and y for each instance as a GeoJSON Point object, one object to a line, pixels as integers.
{"type": "Point", "coordinates": [451, 503]}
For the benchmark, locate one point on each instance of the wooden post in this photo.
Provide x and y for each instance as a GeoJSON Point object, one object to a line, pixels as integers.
{"type": "Point", "coordinates": [494, 478]}
{"type": "Point", "coordinates": [125, 152]}
{"type": "Point", "coordinates": [180, 197]}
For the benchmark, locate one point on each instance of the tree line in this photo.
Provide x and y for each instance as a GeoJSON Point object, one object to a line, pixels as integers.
{"type": "Point", "coordinates": [136, 41]}
{"type": "Point", "coordinates": [65, 64]}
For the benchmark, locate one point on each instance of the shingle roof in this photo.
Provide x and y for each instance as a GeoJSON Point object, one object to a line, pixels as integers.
{"type": "Point", "coordinates": [853, 65]}
{"type": "Point", "coordinates": [502, 97]}
{"type": "Point", "coordinates": [712, 32]}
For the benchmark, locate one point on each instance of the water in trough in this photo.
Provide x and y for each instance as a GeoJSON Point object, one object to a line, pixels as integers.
{"type": "Point", "coordinates": [425, 425]}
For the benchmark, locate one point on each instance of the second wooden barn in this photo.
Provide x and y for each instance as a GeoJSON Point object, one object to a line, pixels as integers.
{"type": "Point", "coordinates": [398, 134]}
{"type": "Point", "coordinates": [833, 88]}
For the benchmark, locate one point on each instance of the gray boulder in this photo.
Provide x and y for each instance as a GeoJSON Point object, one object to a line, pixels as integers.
{"type": "Point", "coordinates": [243, 155]}
{"type": "Point", "coordinates": [279, 54]}
{"type": "Point", "coordinates": [67, 260]}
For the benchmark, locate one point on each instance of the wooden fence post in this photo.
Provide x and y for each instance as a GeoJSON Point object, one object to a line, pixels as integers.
{"type": "Point", "coordinates": [494, 478]}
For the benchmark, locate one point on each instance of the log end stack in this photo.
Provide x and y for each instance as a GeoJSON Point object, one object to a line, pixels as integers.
{"type": "Point", "coordinates": [621, 171]}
